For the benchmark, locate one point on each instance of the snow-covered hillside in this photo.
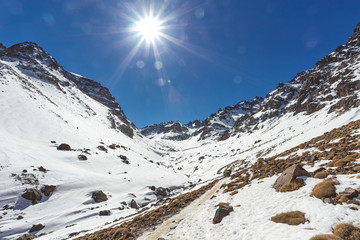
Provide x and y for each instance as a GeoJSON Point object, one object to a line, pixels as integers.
{"type": "Point", "coordinates": [42, 106]}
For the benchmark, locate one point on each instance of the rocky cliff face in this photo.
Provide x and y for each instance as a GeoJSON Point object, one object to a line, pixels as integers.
{"type": "Point", "coordinates": [31, 60]}
{"type": "Point", "coordinates": [333, 85]}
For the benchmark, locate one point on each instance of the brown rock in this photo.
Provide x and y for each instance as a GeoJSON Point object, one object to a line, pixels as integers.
{"type": "Point", "coordinates": [105, 213]}
{"type": "Point", "coordinates": [48, 189]}
{"type": "Point", "coordinates": [26, 237]}
{"type": "Point", "coordinates": [36, 227]}
{"type": "Point", "coordinates": [289, 174]}
{"type": "Point", "coordinates": [160, 191]}
{"type": "Point", "coordinates": [82, 157]}
{"type": "Point", "coordinates": [350, 193]}
{"type": "Point", "coordinates": [32, 194]}
{"type": "Point", "coordinates": [221, 212]}
{"type": "Point", "coordinates": [64, 147]}
{"type": "Point", "coordinates": [133, 204]}
{"type": "Point", "coordinates": [99, 196]}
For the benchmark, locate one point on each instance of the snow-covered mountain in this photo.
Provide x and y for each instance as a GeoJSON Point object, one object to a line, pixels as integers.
{"type": "Point", "coordinates": [42, 106]}
{"type": "Point", "coordinates": [334, 83]}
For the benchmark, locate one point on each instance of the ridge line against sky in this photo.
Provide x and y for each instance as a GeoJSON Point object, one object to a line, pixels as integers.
{"type": "Point", "coordinates": [212, 53]}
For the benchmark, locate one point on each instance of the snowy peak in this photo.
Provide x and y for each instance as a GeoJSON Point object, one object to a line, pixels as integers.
{"type": "Point", "coordinates": [29, 51]}
{"type": "Point", "coordinates": [38, 71]}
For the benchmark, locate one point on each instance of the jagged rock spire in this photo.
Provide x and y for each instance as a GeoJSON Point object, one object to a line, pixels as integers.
{"type": "Point", "coordinates": [354, 40]}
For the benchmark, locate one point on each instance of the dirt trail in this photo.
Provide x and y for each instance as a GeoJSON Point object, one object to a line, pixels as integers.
{"type": "Point", "coordinates": [165, 227]}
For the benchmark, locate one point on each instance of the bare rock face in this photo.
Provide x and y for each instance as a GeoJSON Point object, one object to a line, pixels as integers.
{"type": "Point", "coordinates": [290, 174]}
{"type": "Point", "coordinates": [221, 212]}
{"type": "Point", "coordinates": [33, 195]}
{"type": "Point", "coordinates": [99, 196]}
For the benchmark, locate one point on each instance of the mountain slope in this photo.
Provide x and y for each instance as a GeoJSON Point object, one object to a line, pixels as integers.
{"type": "Point", "coordinates": [43, 106]}
{"type": "Point", "coordinates": [334, 82]}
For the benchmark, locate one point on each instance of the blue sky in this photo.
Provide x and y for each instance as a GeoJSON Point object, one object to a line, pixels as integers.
{"type": "Point", "coordinates": [227, 51]}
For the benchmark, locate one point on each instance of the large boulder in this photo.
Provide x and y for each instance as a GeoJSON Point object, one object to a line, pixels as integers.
{"type": "Point", "coordinates": [221, 212]}
{"type": "Point", "coordinates": [290, 174]}
{"type": "Point", "coordinates": [99, 196]}
{"type": "Point", "coordinates": [33, 195]}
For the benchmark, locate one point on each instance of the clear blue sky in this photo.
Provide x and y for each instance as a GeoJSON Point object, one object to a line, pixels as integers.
{"type": "Point", "coordinates": [230, 50]}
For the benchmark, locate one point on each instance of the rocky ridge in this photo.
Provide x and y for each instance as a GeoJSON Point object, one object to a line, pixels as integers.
{"type": "Point", "coordinates": [334, 84]}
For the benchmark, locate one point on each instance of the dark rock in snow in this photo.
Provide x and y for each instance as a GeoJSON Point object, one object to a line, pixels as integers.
{"type": "Point", "coordinates": [48, 189]}
{"type": "Point", "coordinates": [102, 148]}
{"type": "Point", "coordinates": [290, 174]}
{"type": "Point", "coordinates": [64, 147]}
{"type": "Point", "coordinates": [82, 157]}
{"type": "Point", "coordinates": [221, 212]}
{"type": "Point", "coordinates": [99, 196]}
{"type": "Point", "coordinates": [36, 227]}
{"type": "Point", "coordinates": [160, 191]}
{"type": "Point", "coordinates": [133, 204]}
{"type": "Point", "coordinates": [33, 195]}
{"type": "Point", "coordinates": [42, 169]}
{"type": "Point", "coordinates": [105, 213]}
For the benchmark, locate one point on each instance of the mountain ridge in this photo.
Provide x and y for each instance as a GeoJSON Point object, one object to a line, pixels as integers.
{"type": "Point", "coordinates": [308, 92]}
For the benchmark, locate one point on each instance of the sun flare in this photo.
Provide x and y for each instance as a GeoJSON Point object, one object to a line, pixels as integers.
{"type": "Point", "coordinates": [148, 28]}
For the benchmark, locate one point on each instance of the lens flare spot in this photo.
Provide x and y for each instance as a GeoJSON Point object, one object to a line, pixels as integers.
{"type": "Point", "coordinates": [169, 81]}
{"type": "Point", "coordinates": [158, 65]}
{"type": "Point", "coordinates": [160, 82]}
{"type": "Point", "coordinates": [140, 64]}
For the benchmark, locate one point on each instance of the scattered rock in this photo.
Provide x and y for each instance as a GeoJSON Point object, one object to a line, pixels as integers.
{"type": "Point", "coordinates": [112, 146]}
{"type": "Point", "coordinates": [290, 174]}
{"type": "Point", "coordinates": [36, 227]}
{"type": "Point", "coordinates": [105, 213]}
{"type": "Point", "coordinates": [99, 196]}
{"type": "Point", "coordinates": [290, 218]}
{"type": "Point", "coordinates": [350, 193]}
{"type": "Point", "coordinates": [133, 204]}
{"type": "Point", "coordinates": [124, 159]}
{"type": "Point", "coordinates": [53, 141]}
{"type": "Point", "coordinates": [82, 157]}
{"type": "Point", "coordinates": [48, 189]}
{"type": "Point", "coordinates": [33, 195]}
{"type": "Point", "coordinates": [221, 212]}
{"type": "Point", "coordinates": [19, 217]}
{"type": "Point", "coordinates": [26, 237]}
{"type": "Point", "coordinates": [64, 147]}
{"type": "Point", "coordinates": [102, 148]}
{"type": "Point", "coordinates": [152, 188]}
{"type": "Point", "coordinates": [160, 191]}
{"type": "Point", "coordinates": [42, 169]}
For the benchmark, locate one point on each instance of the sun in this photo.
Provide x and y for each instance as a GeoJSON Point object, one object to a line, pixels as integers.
{"type": "Point", "coordinates": [148, 28]}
